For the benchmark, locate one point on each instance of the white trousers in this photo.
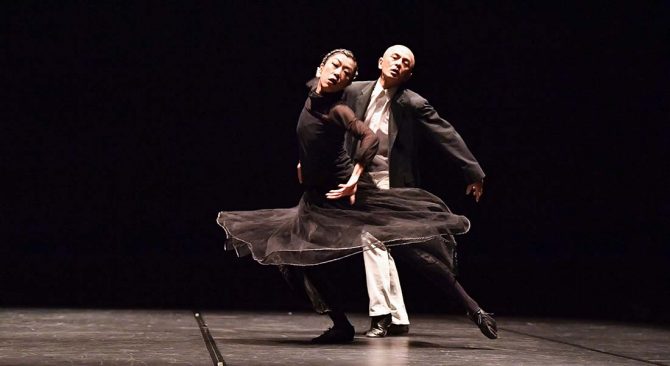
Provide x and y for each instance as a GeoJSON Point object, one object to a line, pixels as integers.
{"type": "Point", "coordinates": [382, 276]}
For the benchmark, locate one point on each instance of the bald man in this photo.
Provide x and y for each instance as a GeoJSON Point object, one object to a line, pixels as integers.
{"type": "Point", "coordinates": [399, 117]}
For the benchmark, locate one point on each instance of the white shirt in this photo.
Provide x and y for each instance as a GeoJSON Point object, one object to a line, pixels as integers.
{"type": "Point", "coordinates": [377, 119]}
{"type": "Point", "coordinates": [377, 113]}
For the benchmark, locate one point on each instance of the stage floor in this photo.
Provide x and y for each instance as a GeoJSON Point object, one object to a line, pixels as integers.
{"type": "Point", "coordinates": [176, 337]}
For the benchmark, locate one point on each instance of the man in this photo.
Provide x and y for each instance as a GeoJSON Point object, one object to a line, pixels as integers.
{"type": "Point", "coordinates": [398, 115]}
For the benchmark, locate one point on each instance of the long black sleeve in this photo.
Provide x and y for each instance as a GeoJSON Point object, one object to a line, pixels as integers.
{"type": "Point", "coordinates": [343, 115]}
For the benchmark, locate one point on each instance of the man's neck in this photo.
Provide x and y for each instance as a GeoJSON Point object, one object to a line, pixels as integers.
{"type": "Point", "coordinates": [386, 84]}
{"type": "Point", "coordinates": [383, 82]}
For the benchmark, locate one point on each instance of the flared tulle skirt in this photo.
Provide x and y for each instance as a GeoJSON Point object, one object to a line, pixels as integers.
{"type": "Point", "coordinates": [318, 230]}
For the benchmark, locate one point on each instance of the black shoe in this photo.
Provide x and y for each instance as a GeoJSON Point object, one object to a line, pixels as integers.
{"type": "Point", "coordinates": [336, 334]}
{"type": "Point", "coordinates": [485, 322]}
{"type": "Point", "coordinates": [398, 329]}
{"type": "Point", "coordinates": [379, 326]}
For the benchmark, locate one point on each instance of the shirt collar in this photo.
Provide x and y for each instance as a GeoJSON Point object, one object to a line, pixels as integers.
{"type": "Point", "coordinates": [390, 92]}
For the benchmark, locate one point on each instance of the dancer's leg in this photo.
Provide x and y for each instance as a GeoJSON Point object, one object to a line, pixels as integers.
{"type": "Point", "coordinates": [439, 273]}
{"type": "Point", "coordinates": [321, 279]}
{"type": "Point", "coordinates": [383, 283]}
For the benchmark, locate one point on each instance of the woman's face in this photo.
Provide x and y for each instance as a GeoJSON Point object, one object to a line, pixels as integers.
{"type": "Point", "coordinates": [335, 74]}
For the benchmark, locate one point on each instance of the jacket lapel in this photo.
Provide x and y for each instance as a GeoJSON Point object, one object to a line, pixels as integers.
{"type": "Point", "coordinates": [363, 100]}
{"type": "Point", "coordinates": [396, 103]}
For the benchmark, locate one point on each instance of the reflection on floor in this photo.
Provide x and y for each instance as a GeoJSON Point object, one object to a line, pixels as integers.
{"type": "Point", "coordinates": [144, 337]}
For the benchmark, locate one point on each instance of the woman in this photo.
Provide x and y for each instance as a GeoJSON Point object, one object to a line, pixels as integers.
{"type": "Point", "coordinates": [341, 212]}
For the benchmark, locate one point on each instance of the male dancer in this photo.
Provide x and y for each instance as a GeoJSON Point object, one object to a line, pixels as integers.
{"type": "Point", "coordinates": [397, 115]}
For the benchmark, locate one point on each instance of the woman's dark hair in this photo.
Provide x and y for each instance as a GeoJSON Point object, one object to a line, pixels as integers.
{"type": "Point", "coordinates": [345, 52]}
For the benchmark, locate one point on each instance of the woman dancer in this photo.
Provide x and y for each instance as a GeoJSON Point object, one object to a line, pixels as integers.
{"type": "Point", "coordinates": [341, 212]}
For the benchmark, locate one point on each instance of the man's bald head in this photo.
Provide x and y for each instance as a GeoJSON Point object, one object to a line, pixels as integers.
{"type": "Point", "coordinates": [396, 66]}
{"type": "Point", "coordinates": [401, 50]}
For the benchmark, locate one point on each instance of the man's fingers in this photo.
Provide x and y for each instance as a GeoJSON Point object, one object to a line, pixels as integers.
{"type": "Point", "coordinates": [477, 194]}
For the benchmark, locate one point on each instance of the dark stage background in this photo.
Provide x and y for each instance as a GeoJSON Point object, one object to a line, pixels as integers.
{"type": "Point", "coordinates": [126, 127]}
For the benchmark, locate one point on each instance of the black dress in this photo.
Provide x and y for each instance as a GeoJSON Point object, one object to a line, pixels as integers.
{"type": "Point", "coordinates": [319, 230]}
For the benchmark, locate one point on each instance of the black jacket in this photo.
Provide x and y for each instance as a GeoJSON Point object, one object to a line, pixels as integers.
{"type": "Point", "coordinates": [410, 112]}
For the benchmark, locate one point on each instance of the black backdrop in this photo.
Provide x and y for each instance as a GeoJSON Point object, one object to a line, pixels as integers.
{"type": "Point", "coordinates": [126, 127]}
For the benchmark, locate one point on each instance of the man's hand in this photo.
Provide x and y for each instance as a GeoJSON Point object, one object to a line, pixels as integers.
{"type": "Point", "coordinates": [476, 189]}
{"type": "Point", "coordinates": [299, 167]}
{"type": "Point", "coordinates": [344, 191]}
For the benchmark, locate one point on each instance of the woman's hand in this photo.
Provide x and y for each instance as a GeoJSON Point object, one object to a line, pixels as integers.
{"type": "Point", "coordinates": [344, 191]}
{"type": "Point", "coordinates": [348, 189]}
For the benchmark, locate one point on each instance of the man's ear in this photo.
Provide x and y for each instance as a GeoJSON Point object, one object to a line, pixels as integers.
{"type": "Point", "coordinates": [318, 72]}
{"type": "Point", "coordinates": [379, 63]}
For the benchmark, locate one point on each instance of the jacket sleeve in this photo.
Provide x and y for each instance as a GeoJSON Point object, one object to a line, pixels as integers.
{"type": "Point", "coordinates": [344, 116]}
{"type": "Point", "coordinates": [449, 141]}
